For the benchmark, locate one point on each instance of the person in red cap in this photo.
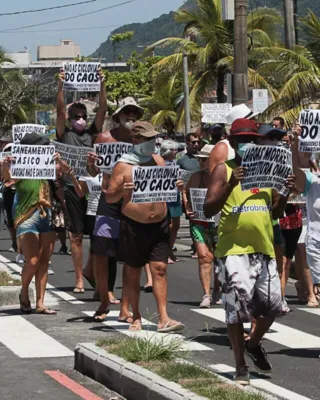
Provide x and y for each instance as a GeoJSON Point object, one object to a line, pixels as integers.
{"type": "Point", "coordinates": [246, 264]}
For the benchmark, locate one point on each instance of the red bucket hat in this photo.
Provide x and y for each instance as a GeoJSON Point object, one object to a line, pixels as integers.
{"type": "Point", "coordinates": [244, 126]}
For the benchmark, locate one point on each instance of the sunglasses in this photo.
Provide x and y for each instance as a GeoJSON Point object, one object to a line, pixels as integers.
{"type": "Point", "coordinates": [195, 141]}
{"type": "Point", "coordinates": [77, 117]}
{"type": "Point", "coordinates": [130, 110]}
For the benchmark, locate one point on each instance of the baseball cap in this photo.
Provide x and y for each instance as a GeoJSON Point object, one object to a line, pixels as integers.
{"type": "Point", "coordinates": [143, 128]}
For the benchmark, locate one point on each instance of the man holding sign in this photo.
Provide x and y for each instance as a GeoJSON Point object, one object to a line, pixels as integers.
{"type": "Point", "coordinates": [144, 232]}
{"type": "Point", "coordinates": [245, 255]}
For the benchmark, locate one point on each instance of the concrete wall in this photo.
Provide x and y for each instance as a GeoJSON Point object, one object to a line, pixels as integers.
{"type": "Point", "coordinates": [67, 50]}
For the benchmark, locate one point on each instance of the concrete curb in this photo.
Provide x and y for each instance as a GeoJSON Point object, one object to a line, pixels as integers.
{"type": "Point", "coordinates": [127, 379]}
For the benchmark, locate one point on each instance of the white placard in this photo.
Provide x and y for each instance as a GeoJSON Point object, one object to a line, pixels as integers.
{"type": "Point", "coordinates": [109, 154]}
{"type": "Point", "coordinates": [185, 175]}
{"type": "Point", "coordinates": [21, 130]}
{"type": "Point", "coordinates": [215, 112]}
{"type": "Point", "coordinates": [155, 184]}
{"type": "Point", "coordinates": [299, 199]}
{"type": "Point", "coordinates": [74, 156]}
{"type": "Point", "coordinates": [309, 140]}
{"type": "Point", "coordinates": [4, 154]}
{"type": "Point", "coordinates": [260, 100]}
{"type": "Point", "coordinates": [197, 197]}
{"type": "Point", "coordinates": [267, 167]}
{"type": "Point", "coordinates": [81, 76]}
{"type": "Point", "coordinates": [33, 162]}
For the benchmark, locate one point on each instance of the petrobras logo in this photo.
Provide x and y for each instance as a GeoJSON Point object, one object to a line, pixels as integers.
{"type": "Point", "coordinates": [252, 208]}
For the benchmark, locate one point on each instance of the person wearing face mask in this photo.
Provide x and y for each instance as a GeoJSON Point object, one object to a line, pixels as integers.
{"type": "Point", "coordinates": [74, 131]}
{"type": "Point", "coordinates": [144, 231]}
{"type": "Point", "coordinates": [107, 223]}
{"type": "Point", "coordinates": [245, 262]}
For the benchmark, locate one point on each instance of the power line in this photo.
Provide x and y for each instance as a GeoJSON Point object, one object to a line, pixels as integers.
{"type": "Point", "coordinates": [47, 9]}
{"type": "Point", "coordinates": [68, 29]}
{"type": "Point", "coordinates": [66, 19]}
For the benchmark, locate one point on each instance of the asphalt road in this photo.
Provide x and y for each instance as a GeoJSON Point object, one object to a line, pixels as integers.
{"type": "Point", "coordinates": [293, 344]}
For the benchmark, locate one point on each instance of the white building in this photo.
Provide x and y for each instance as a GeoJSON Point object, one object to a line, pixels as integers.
{"type": "Point", "coordinates": [66, 51]}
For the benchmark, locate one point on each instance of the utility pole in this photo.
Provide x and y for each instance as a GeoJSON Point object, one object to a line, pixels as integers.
{"type": "Point", "coordinates": [290, 31]}
{"type": "Point", "coordinates": [187, 121]}
{"type": "Point", "coordinates": [240, 76]}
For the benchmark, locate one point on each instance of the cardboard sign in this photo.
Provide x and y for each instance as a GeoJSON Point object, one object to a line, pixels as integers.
{"type": "Point", "coordinates": [260, 100]}
{"type": "Point", "coordinates": [185, 175]}
{"type": "Point", "coordinates": [33, 162]}
{"type": "Point", "coordinates": [267, 167]}
{"type": "Point", "coordinates": [309, 140]}
{"type": "Point", "coordinates": [155, 184]}
{"type": "Point", "coordinates": [109, 154]}
{"type": "Point", "coordinates": [81, 76]}
{"type": "Point", "coordinates": [197, 197]}
{"type": "Point", "coordinates": [74, 156]}
{"type": "Point", "coordinates": [21, 130]}
{"type": "Point", "coordinates": [215, 112]}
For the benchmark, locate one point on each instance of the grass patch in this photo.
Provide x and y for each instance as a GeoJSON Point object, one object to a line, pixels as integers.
{"type": "Point", "coordinates": [160, 357]}
{"type": "Point", "coordinates": [7, 280]}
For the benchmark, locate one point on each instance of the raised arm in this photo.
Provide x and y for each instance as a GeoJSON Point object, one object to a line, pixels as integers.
{"type": "Point", "coordinates": [218, 155]}
{"type": "Point", "coordinates": [61, 112]}
{"type": "Point", "coordinates": [101, 113]}
{"type": "Point", "coordinates": [220, 188]}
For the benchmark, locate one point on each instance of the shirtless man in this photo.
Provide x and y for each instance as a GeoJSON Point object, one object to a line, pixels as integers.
{"type": "Point", "coordinates": [106, 233]}
{"type": "Point", "coordinates": [144, 234]}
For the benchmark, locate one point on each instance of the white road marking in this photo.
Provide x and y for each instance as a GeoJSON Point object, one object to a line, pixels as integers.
{"type": "Point", "coordinates": [63, 295]}
{"type": "Point", "coordinates": [261, 384]}
{"type": "Point", "coordinates": [149, 332]}
{"type": "Point", "coordinates": [281, 334]}
{"type": "Point", "coordinates": [27, 341]}
{"type": "Point", "coordinates": [315, 311]}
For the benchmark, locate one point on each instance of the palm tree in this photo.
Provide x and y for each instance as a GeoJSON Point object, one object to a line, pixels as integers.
{"type": "Point", "coordinates": [310, 25]}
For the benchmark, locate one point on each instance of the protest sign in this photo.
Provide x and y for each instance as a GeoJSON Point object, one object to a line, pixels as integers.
{"type": "Point", "coordinates": [4, 154]}
{"type": "Point", "coordinates": [81, 76]}
{"type": "Point", "coordinates": [185, 175]}
{"type": "Point", "coordinates": [260, 100]}
{"type": "Point", "coordinates": [215, 112]}
{"type": "Point", "coordinates": [299, 199]}
{"type": "Point", "coordinates": [267, 167]}
{"type": "Point", "coordinates": [19, 131]}
{"type": "Point", "coordinates": [197, 197]}
{"type": "Point", "coordinates": [155, 184]}
{"type": "Point", "coordinates": [74, 156]}
{"type": "Point", "coordinates": [109, 154]}
{"type": "Point", "coordinates": [33, 162]}
{"type": "Point", "coordinates": [309, 140]}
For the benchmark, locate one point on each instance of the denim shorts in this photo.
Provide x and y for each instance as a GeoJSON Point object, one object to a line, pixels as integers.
{"type": "Point", "coordinates": [36, 223]}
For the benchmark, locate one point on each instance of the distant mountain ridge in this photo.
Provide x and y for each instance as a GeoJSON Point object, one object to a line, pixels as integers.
{"type": "Point", "coordinates": [165, 26]}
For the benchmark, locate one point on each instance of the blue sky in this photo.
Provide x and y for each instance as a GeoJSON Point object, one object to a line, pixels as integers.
{"type": "Point", "coordinates": [89, 40]}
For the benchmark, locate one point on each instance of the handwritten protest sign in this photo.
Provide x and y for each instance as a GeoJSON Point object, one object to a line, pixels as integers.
{"type": "Point", "coordinates": [74, 156]}
{"type": "Point", "coordinates": [81, 76]}
{"type": "Point", "coordinates": [155, 184]}
{"type": "Point", "coordinates": [309, 140]}
{"type": "Point", "coordinates": [299, 199]}
{"type": "Point", "coordinates": [185, 175]}
{"type": "Point", "coordinates": [21, 130]}
{"type": "Point", "coordinates": [33, 162]}
{"type": "Point", "coordinates": [197, 197]}
{"type": "Point", "coordinates": [109, 154]}
{"type": "Point", "coordinates": [215, 112]}
{"type": "Point", "coordinates": [267, 167]}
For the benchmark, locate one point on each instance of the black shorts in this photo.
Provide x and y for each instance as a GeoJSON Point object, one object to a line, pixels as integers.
{"type": "Point", "coordinates": [76, 209]}
{"type": "Point", "coordinates": [291, 238]}
{"type": "Point", "coordinates": [8, 198]}
{"type": "Point", "coordinates": [142, 243]}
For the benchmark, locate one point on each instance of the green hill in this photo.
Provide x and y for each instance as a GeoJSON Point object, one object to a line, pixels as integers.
{"type": "Point", "coordinates": [164, 26]}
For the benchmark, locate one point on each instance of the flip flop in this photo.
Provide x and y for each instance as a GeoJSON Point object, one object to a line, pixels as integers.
{"type": "Point", "coordinates": [100, 317]}
{"type": "Point", "coordinates": [91, 282]}
{"type": "Point", "coordinates": [78, 290]}
{"type": "Point", "coordinates": [126, 320]}
{"type": "Point", "coordinates": [312, 304]}
{"type": "Point", "coordinates": [136, 326]}
{"type": "Point", "coordinates": [114, 301]}
{"type": "Point", "coordinates": [171, 326]}
{"type": "Point", "coordinates": [46, 311]}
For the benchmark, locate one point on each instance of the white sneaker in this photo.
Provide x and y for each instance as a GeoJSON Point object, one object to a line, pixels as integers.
{"type": "Point", "coordinates": [50, 271]}
{"type": "Point", "coordinates": [20, 259]}
{"type": "Point", "coordinates": [206, 301]}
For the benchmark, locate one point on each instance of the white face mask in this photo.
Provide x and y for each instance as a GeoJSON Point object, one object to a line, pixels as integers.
{"type": "Point", "coordinates": [126, 123]}
{"type": "Point", "coordinates": [145, 149]}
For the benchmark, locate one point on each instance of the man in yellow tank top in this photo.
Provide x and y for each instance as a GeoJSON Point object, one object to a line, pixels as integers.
{"type": "Point", "coordinates": [246, 263]}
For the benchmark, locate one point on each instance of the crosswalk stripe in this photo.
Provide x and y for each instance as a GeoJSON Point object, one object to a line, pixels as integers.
{"type": "Point", "coordinates": [281, 334]}
{"type": "Point", "coordinates": [315, 311]}
{"type": "Point", "coordinates": [260, 384]}
{"type": "Point", "coordinates": [27, 341]}
{"type": "Point", "coordinates": [149, 332]}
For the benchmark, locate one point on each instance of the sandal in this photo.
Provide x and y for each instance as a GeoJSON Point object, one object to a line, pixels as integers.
{"type": "Point", "coordinates": [78, 290]}
{"type": "Point", "coordinates": [25, 307]}
{"type": "Point", "coordinates": [136, 326]}
{"type": "Point", "coordinates": [126, 320]}
{"type": "Point", "coordinates": [316, 289]}
{"type": "Point", "coordinates": [113, 300]}
{"type": "Point", "coordinates": [46, 311]}
{"type": "Point", "coordinates": [312, 304]}
{"type": "Point", "coordinates": [100, 317]}
{"type": "Point", "coordinates": [171, 326]}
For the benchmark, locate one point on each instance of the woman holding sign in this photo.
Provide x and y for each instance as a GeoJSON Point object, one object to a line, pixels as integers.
{"type": "Point", "coordinates": [33, 223]}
